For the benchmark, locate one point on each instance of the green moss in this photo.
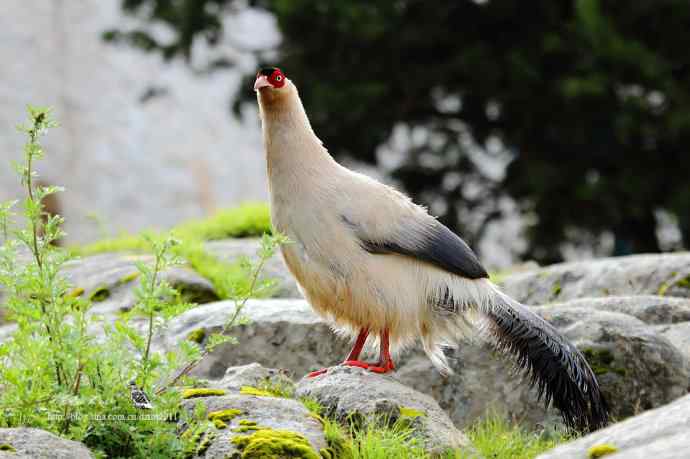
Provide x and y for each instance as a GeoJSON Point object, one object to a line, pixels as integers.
{"type": "Point", "coordinates": [602, 450]}
{"type": "Point", "coordinates": [76, 293]}
{"type": "Point", "coordinates": [7, 447]}
{"type": "Point", "coordinates": [129, 278]}
{"type": "Point", "coordinates": [99, 295]}
{"type": "Point", "coordinates": [198, 441]}
{"type": "Point", "coordinates": [411, 412]}
{"type": "Point", "coordinates": [601, 362]}
{"type": "Point", "coordinates": [556, 289]}
{"type": "Point", "coordinates": [219, 424]}
{"type": "Point", "coordinates": [312, 405]}
{"type": "Point", "coordinates": [662, 289]}
{"type": "Point", "coordinates": [339, 444]}
{"type": "Point", "coordinates": [224, 415]}
{"type": "Point", "coordinates": [249, 390]}
{"type": "Point", "coordinates": [683, 283]}
{"type": "Point", "coordinates": [269, 443]}
{"type": "Point", "coordinates": [205, 443]}
{"type": "Point", "coordinates": [197, 336]}
{"type": "Point", "coordinates": [202, 392]}
{"type": "Point", "coordinates": [247, 220]}
{"type": "Point", "coordinates": [497, 438]}
{"type": "Point", "coordinates": [247, 422]}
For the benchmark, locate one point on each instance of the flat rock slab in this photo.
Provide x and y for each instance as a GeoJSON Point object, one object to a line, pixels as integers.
{"type": "Point", "coordinates": [348, 391]}
{"type": "Point", "coordinates": [272, 412]}
{"type": "Point", "coordinates": [39, 444]}
{"type": "Point", "coordinates": [663, 275]}
{"type": "Point", "coordinates": [662, 433]}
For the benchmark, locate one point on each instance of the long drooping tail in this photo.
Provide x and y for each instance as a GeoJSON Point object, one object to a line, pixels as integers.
{"type": "Point", "coordinates": [553, 365]}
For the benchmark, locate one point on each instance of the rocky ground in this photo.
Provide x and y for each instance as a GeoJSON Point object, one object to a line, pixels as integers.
{"type": "Point", "coordinates": [630, 316]}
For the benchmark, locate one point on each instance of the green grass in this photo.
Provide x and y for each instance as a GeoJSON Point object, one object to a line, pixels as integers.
{"type": "Point", "coordinates": [228, 279]}
{"type": "Point", "coordinates": [251, 219]}
{"type": "Point", "coordinates": [494, 437]}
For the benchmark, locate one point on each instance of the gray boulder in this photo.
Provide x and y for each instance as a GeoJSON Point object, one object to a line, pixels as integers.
{"type": "Point", "coordinates": [662, 433]}
{"type": "Point", "coordinates": [638, 368]}
{"type": "Point", "coordinates": [664, 275]}
{"type": "Point", "coordinates": [109, 281]}
{"type": "Point", "coordinates": [28, 443]}
{"type": "Point", "coordinates": [345, 392]}
{"type": "Point", "coordinates": [253, 413]}
{"type": "Point", "coordinates": [281, 334]}
{"type": "Point", "coordinates": [274, 269]}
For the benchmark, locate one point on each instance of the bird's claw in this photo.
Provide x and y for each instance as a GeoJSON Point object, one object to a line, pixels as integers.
{"type": "Point", "coordinates": [375, 368]}
{"type": "Point", "coordinates": [316, 373]}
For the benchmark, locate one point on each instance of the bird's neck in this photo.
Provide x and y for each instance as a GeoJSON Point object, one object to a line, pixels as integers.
{"type": "Point", "coordinates": [293, 151]}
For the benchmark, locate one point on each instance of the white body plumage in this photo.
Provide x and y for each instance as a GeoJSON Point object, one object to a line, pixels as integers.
{"type": "Point", "coordinates": [369, 259]}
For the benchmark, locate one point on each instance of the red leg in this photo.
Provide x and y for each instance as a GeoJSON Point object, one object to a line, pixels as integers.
{"type": "Point", "coordinates": [351, 359]}
{"type": "Point", "coordinates": [359, 344]}
{"type": "Point", "coordinates": [385, 363]}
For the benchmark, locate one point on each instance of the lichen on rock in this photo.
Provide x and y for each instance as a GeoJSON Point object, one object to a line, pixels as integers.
{"type": "Point", "coordinates": [266, 443]}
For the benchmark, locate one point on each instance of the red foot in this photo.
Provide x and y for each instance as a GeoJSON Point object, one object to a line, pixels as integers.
{"type": "Point", "coordinates": [316, 373]}
{"type": "Point", "coordinates": [376, 368]}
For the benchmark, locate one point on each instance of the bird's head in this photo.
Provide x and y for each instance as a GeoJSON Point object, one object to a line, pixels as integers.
{"type": "Point", "coordinates": [270, 79]}
{"type": "Point", "coordinates": [133, 383]}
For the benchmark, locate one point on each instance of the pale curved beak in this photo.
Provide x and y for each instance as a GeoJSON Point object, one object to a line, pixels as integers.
{"type": "Point", "coordinates": [261, 82]}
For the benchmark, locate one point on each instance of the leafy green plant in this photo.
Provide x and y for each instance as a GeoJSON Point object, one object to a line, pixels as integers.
{"type": "Point", "coordinates": [58, 372]}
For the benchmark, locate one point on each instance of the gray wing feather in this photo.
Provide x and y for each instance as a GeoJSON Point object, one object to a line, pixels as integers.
{"type": "Point", "coordinates": [431, 242]}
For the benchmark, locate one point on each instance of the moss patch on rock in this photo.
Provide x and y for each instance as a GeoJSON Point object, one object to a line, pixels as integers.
{"type": "Point", "coordinates": [99, 295]}
{"type": "Point", "coordinates": [267, 443]}
{"type": "Point", "coordinates": [224, 415]}
{"type": "Point", "coordinates": [601, 362]}
{"type": "Point", "coordinates": [411, 412]}
{"type": "Point", "coordinates": [249, 390]}
{"type": "Point", "coordinates": [601, 450]}
{"type": "Point", "coordinates": [7, 448]}
{"type": "Point", "coordinates": [197, 336]}
{"type": "Point", "coordinates": [202, 392]}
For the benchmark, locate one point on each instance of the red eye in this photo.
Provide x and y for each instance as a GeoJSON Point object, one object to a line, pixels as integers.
{"type": "Point", "coordinates": [278, 79]}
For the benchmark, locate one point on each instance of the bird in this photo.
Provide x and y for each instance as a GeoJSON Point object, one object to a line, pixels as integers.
{"type": "Point", "coordinates": [376, 264]}
{"type": "Point", "coordinates": [139, 398]}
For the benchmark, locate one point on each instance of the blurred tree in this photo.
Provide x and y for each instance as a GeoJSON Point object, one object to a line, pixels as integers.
{"type": "Point", "coordinates": [592, 99]}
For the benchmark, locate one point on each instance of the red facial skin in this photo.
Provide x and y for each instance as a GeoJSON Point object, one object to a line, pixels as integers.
{"type": "Point", "coordinates": [277, 79]}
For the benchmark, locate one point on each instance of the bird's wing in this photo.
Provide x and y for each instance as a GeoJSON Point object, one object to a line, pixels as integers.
{"type": "Point", "coordinates": [386, 221]}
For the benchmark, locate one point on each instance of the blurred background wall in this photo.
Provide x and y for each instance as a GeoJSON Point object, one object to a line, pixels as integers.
{"type": "Point", "coordinates": [141, 143]}
{"type": "Point", "coordinates": [543, 130]}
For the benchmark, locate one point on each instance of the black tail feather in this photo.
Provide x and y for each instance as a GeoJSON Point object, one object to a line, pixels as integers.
{"type": "Point", "coordinates": [552, 364]}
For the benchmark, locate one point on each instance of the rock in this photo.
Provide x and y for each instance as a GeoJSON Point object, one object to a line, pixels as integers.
{"type": "Point", "coordinates": [679, 335]}
{"type": "Point", "coordinates": [661, 433]}
{"type": "Point", "coordinates": [650, 309]}
{"type": "Point", "coordinates": [663, 274]}
{"type": "Point", "coordinates": [271, 412]}
{"type": "Point", "coordinates": [347, 391]}
{"type": "Point", "coordinates": [109, 281]}
{"type": "Point", "coordinates": [39, 444]}
{"type": "Point", "coordinates": [275, 269]}
{"type": "Point", "coordinates": [639, 369]}
{"type": "Point", "coordinates": [253, 375]}
{"type": "Point", "coordinates": [281, 334]}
